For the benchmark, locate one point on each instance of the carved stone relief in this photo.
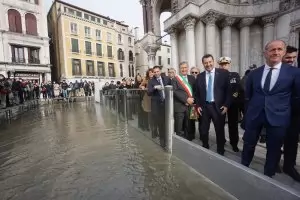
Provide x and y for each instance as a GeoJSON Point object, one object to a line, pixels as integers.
{"type": "Point", "coordinates": [211, 17]}
{"type": "Point", "coordinates": [228, 21]}
{"type": "Point", "coordinates": [174, 6]}
{"type": "Point", "coordinates": [246, 22]}
{"type": "Point", "coordinates": [189, 23]}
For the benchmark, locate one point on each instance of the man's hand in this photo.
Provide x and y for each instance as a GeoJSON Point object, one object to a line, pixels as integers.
{"type": "Point", "coordinates": [190, 100]}
{"type": "Point", "coordinates": [158, 87]}
{"type": "Point", "coordinates": [199, 111]}
{"type": "Point", "coordinates": [224, 110]}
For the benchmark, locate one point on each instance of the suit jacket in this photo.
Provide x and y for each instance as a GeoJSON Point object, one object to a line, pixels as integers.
{"type": "Point", "coordinates": [277, 102]}
{"type": "Point", "coordinates": [155, 94]}
{"type": "Point", "coordinates": [296, 94]}
{"type": "Point", "coordinates": [221, 89]}
{"type": "Point", "coordinates": [180, 95]}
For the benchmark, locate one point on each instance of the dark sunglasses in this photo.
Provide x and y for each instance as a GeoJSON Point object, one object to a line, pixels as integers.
{"type": "Point", "coordinates": [194, 72]}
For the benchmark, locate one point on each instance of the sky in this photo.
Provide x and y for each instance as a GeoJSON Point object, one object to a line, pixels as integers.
{"type": "Point", "coordinates": [129, 11]}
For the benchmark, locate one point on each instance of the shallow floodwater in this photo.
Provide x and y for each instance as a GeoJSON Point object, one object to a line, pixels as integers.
{"type": "Point", "coordinates": [81, 151]}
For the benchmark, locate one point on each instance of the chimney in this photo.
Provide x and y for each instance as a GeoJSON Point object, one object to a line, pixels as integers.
{"type": "Point", "coordinates": [136, 33]}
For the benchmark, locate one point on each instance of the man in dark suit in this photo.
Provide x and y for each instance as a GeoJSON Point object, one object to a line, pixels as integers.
{"type": "Point", "coordinates": [213, 98]}
{"type": "Point", "coordinates": [184, 87]}
{"type": "Point", "coordinates": [157, 93]}
{"type": "Point", "coordinates": [292, 135]}
{"type": "Point", "coordinates": [268, 94]}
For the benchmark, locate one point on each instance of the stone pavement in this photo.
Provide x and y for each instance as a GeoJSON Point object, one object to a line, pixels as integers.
{"type": "Point", "coordinates": [259, 157]}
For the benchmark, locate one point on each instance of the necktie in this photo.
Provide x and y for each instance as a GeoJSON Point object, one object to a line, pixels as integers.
{"type": "Point", "coordinates": [268, 81]}
{"type": "Point", "coordinates": [162, 92]}
{"type": "Point", "coordinates": [209, 93]}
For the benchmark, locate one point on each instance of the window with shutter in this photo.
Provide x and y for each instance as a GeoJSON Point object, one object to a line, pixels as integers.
{"type": "Point", "coordinates": [14, 21]}
{"type": "Point", "coordinates": [99, 49]}
{"type": "Point", "coordinates": [121, 70]}
{"type": "Point", "coordinates": [111, 70]}
{"type": "Point", "coordinates": [75, 47]}
{"type": "Point", "coordinates": [101, 69]}
{"type": "Point", "coordinates": [31, 24]}
{"type": "Point", "coordinates": [88, 48]}
{"type": "Point", "coordinates": [109, 51]}
{"type": "Point", "coordinates": [90, 68]}
{"type": "Point", "coordinates": [76, 67]}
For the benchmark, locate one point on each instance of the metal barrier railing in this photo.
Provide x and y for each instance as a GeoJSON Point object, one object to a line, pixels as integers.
{"type": "Point", "coordinates": [151, 116]}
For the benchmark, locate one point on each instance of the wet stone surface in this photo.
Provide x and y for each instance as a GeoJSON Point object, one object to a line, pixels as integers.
{"type": "Point", "coordinates": [80, 151]}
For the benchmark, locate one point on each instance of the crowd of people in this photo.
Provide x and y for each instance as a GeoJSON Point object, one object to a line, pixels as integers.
{"type": "Point", "coordinates": [17, 91]}
{"type": "Point", "coordinates": [266, 100]}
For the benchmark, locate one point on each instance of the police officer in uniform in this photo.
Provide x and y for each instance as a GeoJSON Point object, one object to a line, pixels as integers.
{"type": "Point", "coordinates": [233, 111]}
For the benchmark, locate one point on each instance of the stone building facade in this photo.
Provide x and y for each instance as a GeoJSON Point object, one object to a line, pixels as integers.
{"type": "Point", "coordinates": [24, 41]}
{"type": "Point", "coordinates": [235, 28]}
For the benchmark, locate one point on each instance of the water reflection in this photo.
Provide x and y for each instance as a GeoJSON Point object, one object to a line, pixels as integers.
{"type": "Point", "coordinates": [80, 151]}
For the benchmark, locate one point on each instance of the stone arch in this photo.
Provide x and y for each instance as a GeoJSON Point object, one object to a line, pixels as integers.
{"type": "Point", "coordinates": [14, 21]}
{"type": "Point", "coordinates": [31, 24]}
{"type": "Point", "coordinates": [159, 7]}
{"type": "Point", "coordinates": [152, 11]}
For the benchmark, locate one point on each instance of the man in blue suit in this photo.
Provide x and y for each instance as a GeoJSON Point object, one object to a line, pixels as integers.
{"type": "Point", "coordinates": [268, 94]}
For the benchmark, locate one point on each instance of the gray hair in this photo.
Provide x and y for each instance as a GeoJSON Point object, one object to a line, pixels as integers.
{"type": "Point", "coordinates": [172, 69]}
{"type": "Point", "coordinates": [183, 63]}
{"type": "Point", "coordinates": [268, 43]}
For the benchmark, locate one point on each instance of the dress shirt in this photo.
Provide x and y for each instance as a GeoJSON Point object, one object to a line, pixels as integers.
{"type": "Point", "coordinates": [274, 77]}
{"type": "Point", "coordinates": [207, 73]}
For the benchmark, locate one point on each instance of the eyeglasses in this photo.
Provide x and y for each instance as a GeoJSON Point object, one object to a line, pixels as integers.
{"type": "Point", "coordinates": [194, 72]}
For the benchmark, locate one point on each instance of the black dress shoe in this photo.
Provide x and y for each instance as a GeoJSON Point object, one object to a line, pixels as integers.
{"type": "Point", "coordinates": [235, 149]}
{"type": "Point", "coordinates": [292, 172]}
{"type": "Point", "coordinates": [221, 152]}
{"type": "Point", "coordinates": [205, 146]}
{"type": "Point", "coordinates": [278, 169]}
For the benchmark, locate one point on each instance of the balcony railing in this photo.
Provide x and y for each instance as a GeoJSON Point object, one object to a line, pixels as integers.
{"type": "Point", "coordinates": [34, 61]}
{"type": "Point", "coordinates": [17, 60]}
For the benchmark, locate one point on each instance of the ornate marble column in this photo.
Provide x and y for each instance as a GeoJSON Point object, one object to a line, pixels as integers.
{"type": "Point", "coordinates": [174, 48]}
{"type": "Point", "coordinates": [144, 16]}
{"type": "Point", "coordinates": [245, 43]}
{"type": "Point", "coordinates": [210, 21]}
{"type": "Point", "coordinates": [269, 29]}
{"type": "Point", "coordinates": [226, 36]}
{"type": "Point", "coordinates": [150, 45]}
{"type": "Point", "coordinates": [189, 26]}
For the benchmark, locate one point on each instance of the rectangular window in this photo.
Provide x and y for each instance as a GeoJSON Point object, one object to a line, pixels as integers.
{"type": "Point", "coordinates": [104, 22]}
{"type": "Point", "coordinates": [109, 51]}
{"type": "Point", "coordinates": [33, 55]}
{"type": "Point", "coordinates": [75, 46]}
{"type": "Point", "coordinates": [71, 11]}
{"type": "Point", "coordinates": [168, 50]}
{"type": "Point", "coordinates": [36, 2]}
{"type": "Point", "coordinates": [108, 37]}
{"type": "Point", "coordinates": [90, 68]}
{"type": "Point", "coordinates": [76, 67]}
{"type": "Point", "coordinates": [99, 20]}
{"type": "Point", "coordinates": [17, 54]}
{"type": "Point", "coordinates": [101, 68]}
{"type": "Point", "coordinates": [88, 48]}
{"type": "Point", "coordinates": [73, 28]}
{"type": "Point", "coordinates": [169, 61]}
{"type": "Point", "coordinates": [93, 18]}
{"type": "Point", "coordinates": [98, 34]}
{"type": "Point", "coordinates": [78, 14]}
{"type": "Point", "coordinates": [111, 70]}
{"type": "Point", "coordinates": [86, 16]}
{"type": "Point", "coordinates": [99, 49]}
{"type": "Point", "coordinates": [87, 31]}
{"type": "Point", "coordinates": [159, 60]}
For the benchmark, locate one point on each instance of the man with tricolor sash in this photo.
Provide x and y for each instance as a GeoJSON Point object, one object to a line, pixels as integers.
{"type": "Point", "coordinates": [184, 109]}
